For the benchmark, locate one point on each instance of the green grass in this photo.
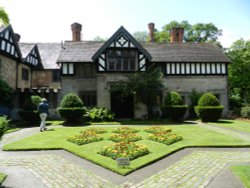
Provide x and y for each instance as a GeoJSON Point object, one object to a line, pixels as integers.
{"type": "Point", "coordinates": [57, 139]}
{"type": "Point", "coordinates": [2, 177]}
{"type": "Point", "coordinates": [243, 172]}
{"type": "Point", "coordinates": [234, 124]}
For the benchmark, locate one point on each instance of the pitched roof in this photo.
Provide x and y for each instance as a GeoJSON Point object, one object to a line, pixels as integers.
{"type": "Point", "coordinates": [79, 51]}
{"type": "Point", "coordinates": [49, 53]}
{"type": "Point", "coordinates": [185, 52]}
{"type": "Point", "coordinates": [160, 52]}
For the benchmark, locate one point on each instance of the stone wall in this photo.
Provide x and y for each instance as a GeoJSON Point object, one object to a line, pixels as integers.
{"type": "Point", "coordinates": [8, 70]}
{"type": "Point", "coordinates": [184, 85]}
{"type": "Point", "coordinates": [22, 84]}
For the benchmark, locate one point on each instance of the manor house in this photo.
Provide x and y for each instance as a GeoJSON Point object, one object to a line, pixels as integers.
{"type": "Point", "coordinates": [90, 68]}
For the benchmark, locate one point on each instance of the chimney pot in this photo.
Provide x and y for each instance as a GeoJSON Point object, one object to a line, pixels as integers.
{"type": "Point", "coordinates": [76, 31]}
{"type": "Point", "coordinates": [151, 28]}
{"type": "Point", "coordinates": [176, 34]}
{"type": "Point", "coordinates": [17, 37]}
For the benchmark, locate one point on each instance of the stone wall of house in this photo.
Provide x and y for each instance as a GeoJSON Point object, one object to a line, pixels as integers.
{"type": "Point", "coordinates": [184, 85]}
{"type": "Point", "coordinates": [23, 84]}
{"type": "Point", "coordinates": [44, 78]}
{"type": "Point", "coordinates": [8, 71]}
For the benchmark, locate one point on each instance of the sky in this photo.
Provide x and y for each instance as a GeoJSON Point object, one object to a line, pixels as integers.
{"type": "Point", "coordinates": [50, 20]}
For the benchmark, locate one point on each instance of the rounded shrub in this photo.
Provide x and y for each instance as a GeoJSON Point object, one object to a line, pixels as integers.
{"type": "Point", "coordinates": [173, 98]}
{"type": "Point", "coordinates": [71, 109]}
{"type": "Point", "coordinates": [209, 108]}
{"type": "Point", "coordinates": [4, 123]}
{"type": "Point", "coordinates": [29, 112]}
{"type": "Point", "coordinates": [174, 107]}
{"type": "Point", "coordinates": [208, 99]}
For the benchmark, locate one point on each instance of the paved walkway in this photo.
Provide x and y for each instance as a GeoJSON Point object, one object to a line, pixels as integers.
{"type": "Point", "coordinates": [193, 167]}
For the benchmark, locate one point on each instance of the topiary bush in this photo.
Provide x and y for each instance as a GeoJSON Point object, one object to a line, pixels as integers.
{"type": "Point", "coordinates": [174, 107]}
{"type": "Point", "coordinates": [4, 123]}
{"type": "Point", "coordinates": [99, 115]}
{"type": "Point", "coordinates": [29, 112]}
{"type": "Point", "coordinates": [245, 112]}
{"type": "Point", "coordinates": [208, 99]}
{"type": "Point", "coordinates": [209, 108]}
{"type": "Point", "coordinates": [194, 97]}
{"type": "Point", "coordinates": [71, 108]}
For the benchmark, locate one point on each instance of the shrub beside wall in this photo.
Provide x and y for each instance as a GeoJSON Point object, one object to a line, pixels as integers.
{"type": "Point", "coordinates": [174, 107]}
{"type": "Point", "coordinates": [71, 108]}
{"type": "Point", "coordinates": [245, 112]}
{"type": "Point", "coordinates": [4, 123]}
{"type": "Point", "coordinates": [209, 108]}
{"type": "Point", "coordinates": [29, 112]}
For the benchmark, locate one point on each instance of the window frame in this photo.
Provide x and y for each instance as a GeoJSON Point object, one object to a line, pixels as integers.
{"type": "Point", "coordinates": [67, 67]}
{"type": "Point", "coordinates": [25, 74]}
{"type": "Point", "coordinates": [123, 60]}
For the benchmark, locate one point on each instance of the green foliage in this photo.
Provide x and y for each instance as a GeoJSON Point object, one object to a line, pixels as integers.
{"type": "Point", "coordinates": [208, 99]}
{"type": "Point", "coordinates": [245, 112]}
{"type": "Point", "coordinates": [146, 85]}
{"type": "Point", "coordinates": [71, 101]}
{"type": "Point", "coordinates": [174, 107]}
{"type": "Point", "coordinates": [239, 69]}
{"type": "Point", "coordinates": [71, 114]}
{"type": "Point", "coordinates": [4, 18]}
{"type": "Point", "coordinates": [99, 115]}
{"type": "Point", "coordinates": [32, 102]}
{"type": "Point", "coordinates": [29, 116]}
{"type": "Point", "coordinates": [6, 93]}
{"type": "Point", "coordinates": [199, 32]}
{"type": "Point", "coordinates": [165, 138]}
{"type": "Point", "coordinates": [71, 109]}
{"type": "Point", "coordinates": [194, 97]}
{"type": "Point", "coordinates": [209, 113]}
{"type": "Point", "coordinates": [173, 98]}
{"type": "Point", "coordinates": [4, 124]}
{"type": "Point", "coordinates": [208, 108]}
{"type": "Point", "coordinates": [29, 112]}
{"type": "Point", "coordinates": [140, 36]}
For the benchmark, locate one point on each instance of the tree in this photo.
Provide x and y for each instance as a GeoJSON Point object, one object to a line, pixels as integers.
{"type": "Point", "coordinates": [141, 36]}
{"type": "Point", "coordinates": [99, 39]}
{"type": "Point", "coordinates": [6, 93]}
{"type": "Point", "coordinates": [146, 85]}
{"type": "Point", "coordinates": [199, 32]}
{"type": "Point", "coordinates": [239, 69]}
{"type": "Point", "coordinates": [4, 18]}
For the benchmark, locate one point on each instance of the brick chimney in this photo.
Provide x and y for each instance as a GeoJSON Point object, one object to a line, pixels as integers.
{"type": "Point", "coordinates": [151, 29]}
{"type": "Point", "coordinates": [176, 34]}
{"type": "Point", "coordinates": [76, 31]}
{"type": "Point", "coordinates": [17, 37]}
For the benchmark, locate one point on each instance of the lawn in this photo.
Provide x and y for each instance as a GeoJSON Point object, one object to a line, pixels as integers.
{"type": "Point", "coordinates": [243, 172]}
{"type": "Point", "coordinates": [2, 178]}
{"type": "Point", "coordinates": [234, 124]}
{"type": "Point", "coordinates": [57, 139]}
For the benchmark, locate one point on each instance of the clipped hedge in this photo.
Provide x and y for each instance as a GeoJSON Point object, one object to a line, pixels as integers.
{"type": "Point", "coordinates": [71, 114]}
{"type": "Point", "coordinates": [175, 112]}
{"type": "Point", "coordinates": [173, 98]}
{"type": "Point", "coordinates": [29, 112]}
{"type": "Point", "coordinates": [4, 123]}
{"type": "Point", "coordinates": [29, 116]}
{"type": "Point", "coordinates": [72, 108]}
{"type": "Point", "coordinates": [209, 113]}
{"type": "Point", "coordinates": [245, 112]}
{"type": "Point", "coordinates": [208, 99]}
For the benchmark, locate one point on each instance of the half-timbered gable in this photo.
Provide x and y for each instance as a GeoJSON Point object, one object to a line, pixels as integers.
{"type": "Point", "coordinates": [8, 43]}
{"type": "Point", "coordinates": [121, 53]}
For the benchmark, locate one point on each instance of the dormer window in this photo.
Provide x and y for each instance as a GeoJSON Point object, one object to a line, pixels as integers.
{"type": "Point", "coordinates": [122, 59]}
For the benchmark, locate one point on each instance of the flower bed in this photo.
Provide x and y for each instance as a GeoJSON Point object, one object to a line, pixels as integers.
{"type": "Point", "coordinates": [125, 130]}
{"type": "Point", "coordinates": [165, 138]}
{"type": "Point", "coordinates": [96, 130]}
{"type": "Point", "coordinates": [124, 149]}
{"type": "Point", "coordinates": [85, 137]}
{"type": "Point", "coordinates": [157, 129]}
{"type": "Point", "coordinates": [130, 137]}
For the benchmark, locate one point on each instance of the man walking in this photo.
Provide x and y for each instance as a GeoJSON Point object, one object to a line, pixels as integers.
{"type": "Point", "coordinates": [43, 109]}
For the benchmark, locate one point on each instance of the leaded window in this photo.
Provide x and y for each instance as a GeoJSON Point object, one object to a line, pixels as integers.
{"type": "Point", "coordinates": [121, 60]}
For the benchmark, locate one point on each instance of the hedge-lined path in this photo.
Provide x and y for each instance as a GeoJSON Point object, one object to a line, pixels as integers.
{"type": "Point", "coordinates": [192, 167]}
